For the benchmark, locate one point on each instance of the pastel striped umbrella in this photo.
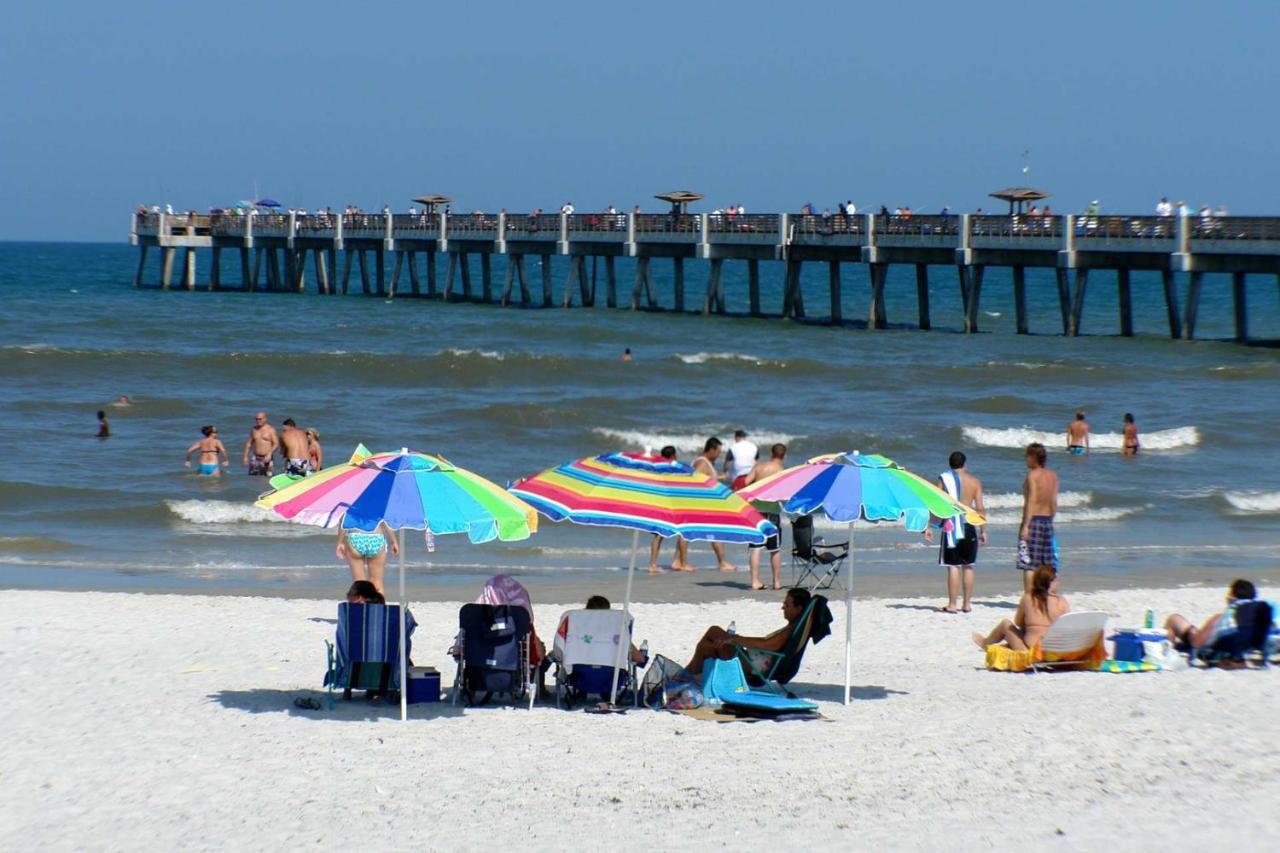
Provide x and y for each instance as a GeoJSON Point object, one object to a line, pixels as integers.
{"type": "Point", "coordinates": [647, 494]}
{"type": "Point", "coordinates": [407, 491]}
{"type": "Point", "coordinates": [850, 487]}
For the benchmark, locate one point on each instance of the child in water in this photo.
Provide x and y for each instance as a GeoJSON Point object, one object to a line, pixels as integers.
{"type": "Point", "coordinates": [104, 429]}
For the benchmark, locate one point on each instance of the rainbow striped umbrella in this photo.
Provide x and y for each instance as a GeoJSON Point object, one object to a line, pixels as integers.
{"type": "Point", "coordinates": [852, 487]}
{"type": "Point", "coordinates": [647, 494]}
{"type": "Point", "coordinates": [643, 493]}
{"type": "Point", "coordinates": [407, 491]}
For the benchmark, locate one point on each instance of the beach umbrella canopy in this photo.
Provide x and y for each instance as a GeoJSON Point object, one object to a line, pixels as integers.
{"type": "Point", "coordinates": [267, 202]}
{"type": "Point", "coordinates": [406, 491]}
{"type": "Point", "coordinates": [850, 487]}
{"type": "Point", "coordinates": [647, 494]}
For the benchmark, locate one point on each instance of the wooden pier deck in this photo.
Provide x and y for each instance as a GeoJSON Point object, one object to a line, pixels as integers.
{"type": "Point", "coordinates": [274, 250]}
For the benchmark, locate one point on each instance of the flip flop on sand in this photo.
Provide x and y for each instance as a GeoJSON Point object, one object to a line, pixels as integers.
{"type": "Point", "coordinates": [948, 610]}
{"type": "Point", "coordinates": [758, 587]}
{"type": "Point", "coordinates": [307, 704]}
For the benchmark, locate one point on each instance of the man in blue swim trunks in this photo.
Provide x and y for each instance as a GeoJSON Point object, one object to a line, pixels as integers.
{"type": "Point", "coordinates": [1078, 436]}
{"type": "Point", "coordinates": [1036, 545]}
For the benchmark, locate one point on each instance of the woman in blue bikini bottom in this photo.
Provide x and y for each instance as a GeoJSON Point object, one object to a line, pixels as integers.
{"type": "Point", "coordinates": [366, 552]}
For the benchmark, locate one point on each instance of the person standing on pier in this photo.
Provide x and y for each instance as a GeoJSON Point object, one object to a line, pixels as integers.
{"type": "Point", "coordinates": [1078, 436]}
{"type": "Point", "coordinates": [1037, 545]}
{"type": "Point", "coordinates": [567, 208]}
{"type": "Point", "coordinates": [706, 464]}
{"type": "Point", "coordinates": [960, 542]}
{"type": "Point", "coordinates": [261, 447]}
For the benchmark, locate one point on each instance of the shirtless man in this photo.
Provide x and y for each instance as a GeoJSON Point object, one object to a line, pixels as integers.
{"type": "Point", "coordinates": [262, 444]}
{"type": "Point", "coordinates": [959, 549]}
{"type": "Point", "coordinates": [1078, 436]}
{"type": "Point", "coordinates": [295, 449]}
{"type": "Point", "coordinates": [1036, 545]}
{"type": "Point", "coordinates": [758, 472]}
{"type": "Point", "coordinates": [681, 562]}
{"type": "Point", "coordinates": [210, 449]}
{"type": "Point", "coordinates": [706, 464]}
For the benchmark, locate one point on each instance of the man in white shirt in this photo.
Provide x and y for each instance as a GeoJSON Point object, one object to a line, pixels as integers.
{"type": "Point", "coordinates": [568, 208]}
{"type": "Point", "coordinates": [1163, 208]}
{"type": "Point", "coordinates": [740, 459]}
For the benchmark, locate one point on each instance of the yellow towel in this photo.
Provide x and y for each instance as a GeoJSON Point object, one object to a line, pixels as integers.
{"type": "Point", "coordinates": [1005, 659]}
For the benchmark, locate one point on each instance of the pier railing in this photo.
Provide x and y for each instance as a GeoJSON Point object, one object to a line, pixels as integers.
{"type": "Point", "coordinates": [827, 224]}
{"type": "Point", "coordinates": [541, 224]}
{"type": "Point", "coordinates": [751, 223]}
{"type": "Point", "coordinates": [473, 225]}
{"type": "Point", "coordinates": [597, 222]}
{"type": "Point", "coordinates": [1235, 227]}
{"type": "Point", "coordinates": [667, 223]}
{"type": "Point", "coordinates": [1018, 226]}
{"type": "Point", "coordinates": [919, 225]}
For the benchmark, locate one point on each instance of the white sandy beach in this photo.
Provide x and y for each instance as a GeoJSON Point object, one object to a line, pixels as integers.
{"type": "Point", "coordinates": [167, 722]}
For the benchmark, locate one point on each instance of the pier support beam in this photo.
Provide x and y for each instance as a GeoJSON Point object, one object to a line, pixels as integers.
{"type": "Point", "coordinates": [714, 300]}
{"type": "Point", "coordinates": [257, 269]}
{"type": "Point", "coordinates": [974, 300]}
{"type": "Point", "coordinates": [188, 269]}
{"type": "Point", "coordinates": [395, 275]}
{"type": "Point", "coordinates": [414, 284]}
{"type": "Point", "coordinates": [546, 281]}
{"type": "Point", "coordinates": [508, 280]}
{"type": "Point", "coordinates": [142, 266]}
{"type": "Point", "coordinates": [678, 273]}
{"type": "Point", "coordinates": [432, 290]}
{"type": "Point", "coordinates": [1020, 299]}
{"type": "Point", "coordinates": [1239, 302]}
{"type": "Point", "coordinates": [346, 271]}
{"type": "Point", "coordinates": [792, 293]}
{"type": "Point", "coordinates": [166, 267]}
{"type": "Point", "coordinates": [464, 268]}
{"type": "Point", "coordinates": [753, 286]}
{"type": "Point", "coordinates": [1193, 305]}
{"type": "Point", "coordinates": [962, 274]}
{"type": "Point", "coordinates": [299, 270]}
{"type": "Point", "coordinates": [215, 269]}
{"type": "Point", "coordinates": [486, 278]}
{"type": "Point", "coordinates": [1125, 296]}
{"type": "Point", "coordinates": [1077, 301]}
{"type": "Point", "coordinates": [1064, 297]}
{"type": "Point", "coordinates": [644, 281]}
{"type": "Point", "coordinates": [922, 296]}
{"type": "Point", "coordinates": [380, 264]}
{"type": "Point", "coordinates": [877, 316]}
{"type": "Point", "coordinates": [364, 271]}
{"type": "Point", "coordinates": [322, 271]}
{"type": "Point", "coordinates": [246, 273]}
{"type": "Point", "coordinates": [837, 298]}
{"type": "Point", "coordinates": [611, 281]}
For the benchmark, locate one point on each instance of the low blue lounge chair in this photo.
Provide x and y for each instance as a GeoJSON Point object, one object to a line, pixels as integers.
{"type": "Point", "coordinates": [781, 666]}
{"type": "Point", "coordinates": [366, 651]}
{"type": "Point", "coordinates": [1253, 626]}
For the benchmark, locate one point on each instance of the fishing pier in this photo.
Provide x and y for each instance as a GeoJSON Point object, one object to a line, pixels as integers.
{"type": "Point", "coordinates": [275, 249]}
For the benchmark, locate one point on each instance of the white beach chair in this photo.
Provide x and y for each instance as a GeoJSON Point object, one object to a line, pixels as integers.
{"type": "Point", "coordinates": [1072, 639]}
{"type": "Point", "coordinates": [585, 650]}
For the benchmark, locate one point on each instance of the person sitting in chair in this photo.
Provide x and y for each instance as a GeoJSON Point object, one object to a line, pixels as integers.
{"type": "Point", "coordinates": [1187, 637]}
{"type": "Point", "coordinates": [599, 602]}
{"type": "Point", "coordinates": [716, 642]}
{"type": "Point", "coordinates": [1037, 610]}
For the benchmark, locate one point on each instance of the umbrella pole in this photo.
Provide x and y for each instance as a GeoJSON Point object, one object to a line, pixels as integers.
{"type": "Point", "coordinates": [626, 618]}
{"type": "Point", "coordinates": [404, 666]}
{"type": "Point", "coordinates": [848, 621]}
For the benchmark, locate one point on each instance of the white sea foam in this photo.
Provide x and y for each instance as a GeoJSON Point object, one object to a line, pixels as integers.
{"type": "Point", "coordinates": [1254, 502]}
{"type": "Point", "coordinates": [492, 355]}
{"type": "Point", "coordinates": [1013, 500]}
{"type": "Point", "coordinates": [704, 357]}
{"type": "Point", "coordinates": [685, 443]}
{"type": "Point", "coordinates": [1165, 439]}
{"type": "Point", "coordinates": [1092, 515]}
{"type": "Point", "coordinates": [221, 512]}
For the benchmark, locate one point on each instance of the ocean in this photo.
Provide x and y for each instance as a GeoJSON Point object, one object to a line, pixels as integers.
{"type": "Point", "coordinates": [507, 392]}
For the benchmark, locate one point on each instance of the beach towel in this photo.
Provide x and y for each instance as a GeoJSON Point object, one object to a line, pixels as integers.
{"type": "Point", "coordinates": [1005, 659]}
{"type": "Point", "coordinates": [954, 529]}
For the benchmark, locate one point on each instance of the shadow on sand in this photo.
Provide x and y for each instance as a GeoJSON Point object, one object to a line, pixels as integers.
{"type": "Point", "coordinates": [268, 701]}
{"type": "Point", "coordinates": [835, 692]}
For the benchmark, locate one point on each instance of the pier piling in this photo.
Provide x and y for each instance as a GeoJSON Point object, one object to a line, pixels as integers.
{"type": "Point", "coordinates": [922, 296]}
{"type": "Point", "coordinates": [1125, 297]}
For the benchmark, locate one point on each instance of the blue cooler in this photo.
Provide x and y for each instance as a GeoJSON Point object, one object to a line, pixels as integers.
{"type": "Point", "coordinates": [424, 684]}
{"type": "Point", "coordinates": [1127, 644]}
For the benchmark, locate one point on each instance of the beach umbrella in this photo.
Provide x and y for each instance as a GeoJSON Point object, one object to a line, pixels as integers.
{"type": "Point", "coordinates": [643, 494]}
{"type": "Point", "coordinates": [408, 491]}
{"type": "Point", "coordinates": [849, 487]}
{"type": "Point", "coordinates": [267, 202]}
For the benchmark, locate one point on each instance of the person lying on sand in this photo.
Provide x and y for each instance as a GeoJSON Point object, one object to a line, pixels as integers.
{"type": "Point", "coordinates": [1185, 636]}
{"type": "Point", "coordinates": [1037, 610]}
{"type": "Point", "coordinates": [716, 642]}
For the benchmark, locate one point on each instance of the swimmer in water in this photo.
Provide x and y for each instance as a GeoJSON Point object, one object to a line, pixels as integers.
{"type": "Point", "coordinates": [626, 355]}
{"type": "Point", "coordinates": [1131, 443]}
{"type": "Point", "coordinates": [122, 402]}
{"type": "Point", "coordinates": [211, 450]}
{"type": "Point", "coordinates": [1078, 436]}
{"type": "Point", "coordinates": [104, 429]}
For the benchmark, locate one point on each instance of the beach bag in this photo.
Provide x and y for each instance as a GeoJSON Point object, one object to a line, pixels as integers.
{"type": "Point", "coordinates": [670, 687]}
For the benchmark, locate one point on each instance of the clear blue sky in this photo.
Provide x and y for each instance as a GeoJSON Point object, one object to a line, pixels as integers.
{"type": "Point", "coordinates": [108, 105]}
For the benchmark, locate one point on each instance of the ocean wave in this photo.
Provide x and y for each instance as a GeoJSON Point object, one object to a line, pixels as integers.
{"type": "Point", "coordinates": [704, 357]}
{"type": "Point", "coordinates": [1013, 500]}
{"type": "Point", "coordinates": [685, 442]}
{"type": "Point", "coordinates": [1165, 439]}
{"type": "Point", "coordinates": [1253, 502]}
{"type": "Point", "coordinates": [1042, 365]}
{"type": "Point", "coordinates": [1092, 515]}
{"type": "Point", "coordinates": [33, 544]}
{"type": "Point", "coordinates": [222, 512]}
{"type": "Point", "coordinates": [492, 355]}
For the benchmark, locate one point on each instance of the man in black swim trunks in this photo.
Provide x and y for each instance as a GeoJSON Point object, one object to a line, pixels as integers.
{"type": "Point", "coordinates": [260, 447]}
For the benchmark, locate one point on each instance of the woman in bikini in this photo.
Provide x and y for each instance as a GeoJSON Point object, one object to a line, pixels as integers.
{"type": "Point", "coordinates": [1131, 444]}
{"type": "Point", "coordinates": [210, 448]}
{"type": "Point", "coordinates": [1037, 610]}
{"type": "Point", "coordinates": [366, 552]}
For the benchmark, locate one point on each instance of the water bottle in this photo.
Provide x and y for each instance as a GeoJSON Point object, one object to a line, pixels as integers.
{"type": "Point", "coordinates": [733, 629]}
{"type": "Point", "coordinates": [1150, 621]}
{"type": "Point", "coordinates": [644, 653]}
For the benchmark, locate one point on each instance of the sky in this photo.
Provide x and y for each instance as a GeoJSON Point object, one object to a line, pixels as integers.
{"type": "Point", "coordinates": [104, 106]}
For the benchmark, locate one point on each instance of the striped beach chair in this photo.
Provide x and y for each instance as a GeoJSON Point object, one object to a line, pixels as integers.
{"type": "Point", "coordinates": [365, 653]}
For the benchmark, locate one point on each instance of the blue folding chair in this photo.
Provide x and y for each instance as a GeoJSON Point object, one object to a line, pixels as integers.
{"type": "Point", "coordinates": [366, 651]}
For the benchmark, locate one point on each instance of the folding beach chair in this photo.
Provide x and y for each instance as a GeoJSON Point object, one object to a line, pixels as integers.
{"type": "Point", "coordinates": [1253, 626]}
{"type": "Point", "coordinates": [365, 654]}
{"type": "Point", "coordinates": [815, 558]}
{"type": "Point", "coordinates": [1074, 639]}
{"type": "Point", "coordinates": [494, 659]}
{"type": "Point", "coordinates": [585, 651]}
{"type": "Point", "coordinates": [771, 669]}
